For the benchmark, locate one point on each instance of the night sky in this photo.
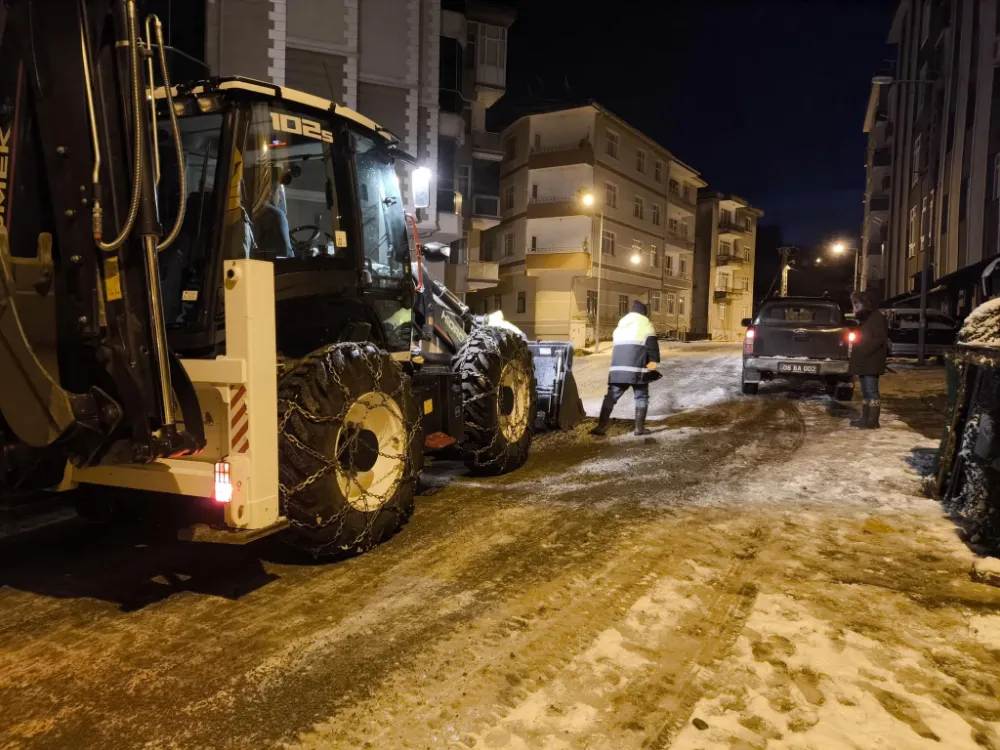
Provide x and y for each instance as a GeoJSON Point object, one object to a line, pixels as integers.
{"type": "Point", "coordinates": [766, 98]}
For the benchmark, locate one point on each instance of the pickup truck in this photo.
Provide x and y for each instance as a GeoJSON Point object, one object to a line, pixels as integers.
{"type": "Point", "coordinates": [799, 338]}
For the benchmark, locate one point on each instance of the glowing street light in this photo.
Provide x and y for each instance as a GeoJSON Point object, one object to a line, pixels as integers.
{"type": "Point", "coordinates": [838, 247]}
{"type": "Point", "coordinates": [588, 199]}
{"type": "Point", "coordinates": [635, 258]}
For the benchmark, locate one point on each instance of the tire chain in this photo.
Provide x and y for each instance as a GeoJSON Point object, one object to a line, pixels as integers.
{"type": "Point", "coordinates": [288, 409]}
{"type": "Point", "coordinates": [486, 389]}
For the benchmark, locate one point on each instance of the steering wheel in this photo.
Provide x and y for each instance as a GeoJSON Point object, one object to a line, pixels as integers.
{"type": "Point", "coordinates": [304, 243]}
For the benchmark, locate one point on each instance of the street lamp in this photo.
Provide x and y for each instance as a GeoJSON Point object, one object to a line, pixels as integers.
{"type": "Point", "coordinates": [636, 258]}
{"type": "Point", "coordinates": [840, 248]}
{"type": "Point", "coordinates": [588, 200]}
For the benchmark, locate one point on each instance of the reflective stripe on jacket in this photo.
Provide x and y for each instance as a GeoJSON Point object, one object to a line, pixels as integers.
{"type": "Point", "coordinates": [635, 346]}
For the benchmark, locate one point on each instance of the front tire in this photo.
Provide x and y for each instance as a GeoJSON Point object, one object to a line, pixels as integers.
{"type": "Point", "coordinates": [497, 374]}
{"type": "Point", "coordinates": [350, 448]}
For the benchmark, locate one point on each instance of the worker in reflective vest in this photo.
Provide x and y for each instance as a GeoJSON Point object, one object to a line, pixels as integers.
{"type": "Point", "coordinates": [633, 362]}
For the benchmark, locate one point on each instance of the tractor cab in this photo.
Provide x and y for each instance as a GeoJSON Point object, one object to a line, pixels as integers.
{"type": "Point", "coordinates": [277, 175]}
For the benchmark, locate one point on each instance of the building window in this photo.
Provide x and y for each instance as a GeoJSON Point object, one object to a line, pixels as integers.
{"type": "Point", "coordinates": [487, 251]}
{"type": "Point", "coordinates": [725, 249]}
{"type": "Point", "coordinates": [508, 244]}
{"type": "Point", "coordinates": [638, 207]}
{"type": "Point", "coordinates": [996, 177]}
{"type": "Point", "coordinates": [722, 312]}
{"type": "Point", "coordinates": [654, 256]}
{"type": "Point", "coordinates": [671, 299]}
{"type": "Point", "coordinates": [656, 214]}
{"type": "Point", "coordinates": [658, 171]}
{"type": "Point", "coordinates": [674, 187]}
{"type": "Point", "coordinates": [680, 305]}
{"type": "Point", "coordinates": [748, 223]}
{"type": "Point", "coordinates": [725, 216]}
{"type": "Point", "coordinates": [637, 249]}
{"type": "Point", "coordinates": [510, 148]}
{"type": "Point", "coordinates": [916, 161]}
{"type": "Point", "coordinates": [534, 192]}
{"type": "Point", "coordinates": [538, 142]}
{"type": "Point", "coordinates": [668, 262]}
{"type": "Point", "coordinates": [534, 243]}
{"type": "Point", "coordinates": [746, 253]}
{"type": "Point", "coordinates": [610, 195]}
{"type": "Point", "coordinates": [921, 87]}
{"type": "Point", "coordinates": [682, 269]}
{"type": "Point", "coordinates": [508, 198]}
{"type": "Point", "coordinates": [654, 301]}
{"type": "Point", "coordinates": [923, 224]}
{"type": "Point", "coordinates": [611, 147]}
{"type": "Point", "coordinates": [607, 243]}
{"type": "Point", "coordinates": [623, 305]}
{"type": "Point", "coordinates": [640, 161]}
{"type": "Point", "coordinates": [498, 302]}
{"type": "Point", "coordinates": [912, 245]}
{"type": "Point", "coordinates": [672, 225]}
{"type": "Point", "coordinates": [465, 180]}
{"type": "Point", "coordinates": [591, 302]}
{"type": "Point", "coordinates": [522, 302]}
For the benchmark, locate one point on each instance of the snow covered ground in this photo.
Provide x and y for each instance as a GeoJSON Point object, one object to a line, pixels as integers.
{"type": "Point", "coordinates": [753, 575]}
{"type": "Point", "coordinates": [694, 376]}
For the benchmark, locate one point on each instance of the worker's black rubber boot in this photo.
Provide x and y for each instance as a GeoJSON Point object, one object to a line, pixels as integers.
{"type": "Point", "coordinates": [873, 415]}
{"type": "Point", "coordinates": [640, 421]}
{"type": "Point", "coordinates": [602, 423]}
{"type": "Point", "coordinates": [862, 421]}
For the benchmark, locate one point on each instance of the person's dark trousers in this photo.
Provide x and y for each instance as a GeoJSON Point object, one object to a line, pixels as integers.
{"type": "Point", "coordinates": [640, 392]}
{"type": "Point", "coordinates": [871, 403]}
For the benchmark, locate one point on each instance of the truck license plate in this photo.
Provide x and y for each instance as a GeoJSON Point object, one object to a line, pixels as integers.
{"type": "Point", "coordinates": [797, 368]}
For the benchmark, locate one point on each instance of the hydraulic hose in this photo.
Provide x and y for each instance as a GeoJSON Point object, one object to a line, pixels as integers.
{"type": "Point", "coordinates": [134, 72]}
{"type": "Point", "coordinates": [176, 131]}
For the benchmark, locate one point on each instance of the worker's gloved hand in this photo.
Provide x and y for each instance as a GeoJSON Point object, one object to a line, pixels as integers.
{"type": "Point", "coordinates": [651, 365]}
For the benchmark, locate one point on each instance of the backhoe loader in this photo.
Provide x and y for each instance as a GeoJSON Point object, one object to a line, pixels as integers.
{"type": "Point", "coordinates": [213, 290]}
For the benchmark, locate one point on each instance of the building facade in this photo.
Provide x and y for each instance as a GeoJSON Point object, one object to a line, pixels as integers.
{"type": "Point", "coordinates": [427, 70]}
{"type": "Point", "coordinates": [941, 131]}
{"type": "Point", "coordinates": [878, 188]}
{"type": "Point", "coordinates": [593, 215]}
{"type": "Point", "coordinates": [725, 256]}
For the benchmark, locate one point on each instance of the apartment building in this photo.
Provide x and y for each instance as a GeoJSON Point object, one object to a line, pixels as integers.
{"type": "Point", "coordinates": [427, 70]}
{"type": "Point", "coordinates": [725, 255]}
{"type": "Point", "coordinates": [878, 187]}
{"type": "Point", "coordinates": [941, 130]}
{"type": "Point", "coordinates": [594, 215]}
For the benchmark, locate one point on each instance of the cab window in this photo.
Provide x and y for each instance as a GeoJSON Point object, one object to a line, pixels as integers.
{"type": "Point", "coordinates": [383, 225]}
{"type": "Point", "coordinates": [282, 193]}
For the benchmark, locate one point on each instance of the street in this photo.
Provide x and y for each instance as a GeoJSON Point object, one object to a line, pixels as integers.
{"type": "Point", "coordinates": [752, 575]}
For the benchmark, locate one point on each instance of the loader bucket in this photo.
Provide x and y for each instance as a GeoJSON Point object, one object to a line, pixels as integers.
{"type": "Point", "coordinates": [559, 405]}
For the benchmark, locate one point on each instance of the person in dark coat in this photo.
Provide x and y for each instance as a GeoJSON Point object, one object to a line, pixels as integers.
{"type": "Point", "coordinates": [868, 358]}
{"type": "Point", "coordinates": [633, 360]}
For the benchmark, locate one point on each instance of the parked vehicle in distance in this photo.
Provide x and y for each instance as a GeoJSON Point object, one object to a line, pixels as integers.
{"type": "Point", "coordinates": [904, 332]}
{"type": "Point", "coordinates": [799, 338]}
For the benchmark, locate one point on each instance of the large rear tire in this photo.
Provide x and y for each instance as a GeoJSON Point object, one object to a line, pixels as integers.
{"type": "Point", "coordinates": [500, 400]}
{"type": "Point", "coordinates": [350, 448]}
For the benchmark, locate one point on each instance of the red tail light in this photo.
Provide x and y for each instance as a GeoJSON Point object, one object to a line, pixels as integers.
{"type": "Point", "coordinates": [852, 336]}
{"type": "Point", "coordinates": [223, 482]}
{"type": "Point", "coordinates": [748, 341]}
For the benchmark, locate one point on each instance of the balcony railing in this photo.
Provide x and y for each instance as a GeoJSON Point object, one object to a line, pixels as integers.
{"type": "Point", "coordinates": [551, 148]}
{"type": "Point", "coordinates": [725, 257]}
{"type": "Point", "coordinates": [728, 292]}
{"type": "Point", "coordinates": [551, 199]}
{"type": "Point", "coordinates": [731, 226]}
{"type": "Point", "coordinates": [556, 250]}
{"type": "Point", "coordinates": [682, 199]}
{"type": "Point", "coordinates": [490, 142]}
{"type": "Point", "coordinates": [878, 203]}
{"type": "Point", "coordinates": [882, 157]}
{"type": "Point", "coordinates": [484, 270]}
{"type": "Point", "coordinates": [680, 240]}
{"type": "Point", "coordinates": [487, 206]}
{"type": "Point", "coordinates": [673, 273]}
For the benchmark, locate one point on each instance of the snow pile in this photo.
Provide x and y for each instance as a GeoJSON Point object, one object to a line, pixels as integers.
{"type": "Point", "coordinates": [982, 327]}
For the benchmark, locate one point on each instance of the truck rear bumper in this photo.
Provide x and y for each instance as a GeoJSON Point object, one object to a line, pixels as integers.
{"type": "Point", "coordinates": [825, 368]}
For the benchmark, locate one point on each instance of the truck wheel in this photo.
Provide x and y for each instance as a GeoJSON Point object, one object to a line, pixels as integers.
{"type": "Point", "coordinates": [350, 448]}
{"type": "Point", "coordinates": [500, 401]}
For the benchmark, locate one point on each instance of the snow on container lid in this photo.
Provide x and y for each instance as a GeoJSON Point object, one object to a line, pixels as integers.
{"type": "Point", "coordinates": [982, 327]}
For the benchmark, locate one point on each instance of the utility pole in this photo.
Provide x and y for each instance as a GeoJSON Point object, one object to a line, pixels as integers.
{"type": "Point", "coordinates": [787, 253]}
{"type": "Point", "coordinates": [599, 248]}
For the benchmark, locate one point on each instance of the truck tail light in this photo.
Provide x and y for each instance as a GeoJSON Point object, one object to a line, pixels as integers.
{"type": "Point", "coordinates": [223, 482]}
{"type": "Point", "coordinates": [748, 340]}
{"type": "Point", "coordinates": [852, 336]}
